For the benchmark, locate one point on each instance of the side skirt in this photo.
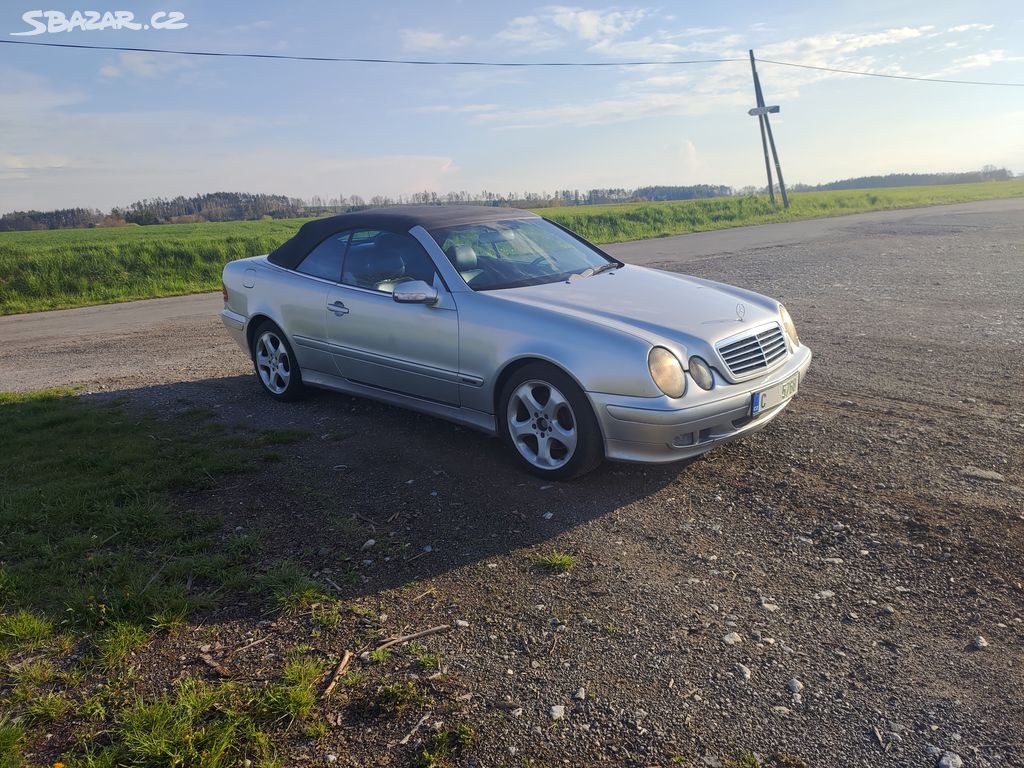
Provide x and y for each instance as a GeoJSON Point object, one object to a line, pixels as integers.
{"type": "Point", "coordinates": [484, 422]}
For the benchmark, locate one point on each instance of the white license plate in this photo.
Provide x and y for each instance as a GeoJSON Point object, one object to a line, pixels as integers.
{"type": "Point", "coordinates": [776, 395]}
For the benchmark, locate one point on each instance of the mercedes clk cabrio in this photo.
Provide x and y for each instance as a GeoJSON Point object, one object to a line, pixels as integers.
{"type": "Point", "coordinates": [503, 321]}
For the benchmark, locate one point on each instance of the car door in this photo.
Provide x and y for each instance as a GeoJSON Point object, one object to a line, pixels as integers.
{"type": "Point", "coordinates": [412, 349]}
{"type": "Point", "coordinates": [301, 297]}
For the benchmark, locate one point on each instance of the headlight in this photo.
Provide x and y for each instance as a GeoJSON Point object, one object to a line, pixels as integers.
{"type": "Point", "coordinates": [789, 325]}
{"type": "Point", "coordinates": [666, 372]}
{"type": "Point", "coordinates": [700, 372]}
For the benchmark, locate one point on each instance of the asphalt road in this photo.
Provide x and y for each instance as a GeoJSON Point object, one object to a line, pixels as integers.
{"type": "Point", "coordinates": [161, 340]}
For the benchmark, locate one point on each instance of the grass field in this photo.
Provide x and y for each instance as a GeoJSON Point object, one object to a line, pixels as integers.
{"type": "Point", "coordinates": [97, 561]}
{"type": "Point", "coordinates": [638, 221]}
{"type": "Point", "coordinates": [72, 268]}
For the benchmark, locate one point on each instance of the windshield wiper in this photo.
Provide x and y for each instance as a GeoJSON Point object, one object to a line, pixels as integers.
{"type": "Point", "coordinates": [591, 271]}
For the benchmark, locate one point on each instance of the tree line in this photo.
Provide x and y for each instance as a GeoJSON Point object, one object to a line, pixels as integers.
{"type": "Point", "coordinates": [243, 206]}
{"type": "Point", "coordinates": [988, 173]}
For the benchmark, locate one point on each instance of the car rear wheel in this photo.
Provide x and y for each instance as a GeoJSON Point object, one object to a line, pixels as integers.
{"type": "Point", "coordinates": [548, 422]}
{"type": "Point", "coordinates": [275, 363]}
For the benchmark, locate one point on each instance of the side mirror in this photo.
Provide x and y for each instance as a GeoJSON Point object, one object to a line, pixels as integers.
{"type": "Point", "coordinates": [415, 292]}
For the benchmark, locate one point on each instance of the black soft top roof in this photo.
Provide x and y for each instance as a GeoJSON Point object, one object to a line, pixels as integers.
{"type": "Point", "coordinates": [400, 218]}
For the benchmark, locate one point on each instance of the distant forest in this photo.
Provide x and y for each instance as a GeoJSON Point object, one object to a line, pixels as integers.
{"type": "Point", "coordinates": [241, 206]}
{"type": "Point", "coordinates": [988, 173]}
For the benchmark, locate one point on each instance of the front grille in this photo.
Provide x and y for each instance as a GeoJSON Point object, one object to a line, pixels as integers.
{"type": "Point", "coordinates": [752, 353]}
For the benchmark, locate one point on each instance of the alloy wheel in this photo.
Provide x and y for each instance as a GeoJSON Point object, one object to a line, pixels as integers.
{"type": "Point", "coordinates": [542, 424]}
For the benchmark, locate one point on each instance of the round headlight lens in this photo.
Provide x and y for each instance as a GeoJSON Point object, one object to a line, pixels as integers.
{"type": "Point", "coordinates": [789, 325]}
{"type": "Point", "coordinates": [666, 372]}
{"type": "Point", "coordinates": [700, 372]}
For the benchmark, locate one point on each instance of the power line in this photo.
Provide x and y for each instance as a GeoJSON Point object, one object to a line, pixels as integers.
{"type": "Point", "coordinates": [521, 64]}
{"type": "Point", "coordinates": [353, 60]}
{"type": "Point", "coordinates": [892, 77]}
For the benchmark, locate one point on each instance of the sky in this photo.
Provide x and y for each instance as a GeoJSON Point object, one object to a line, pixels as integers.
{"type": "Point", "coordinates": [102, 128]}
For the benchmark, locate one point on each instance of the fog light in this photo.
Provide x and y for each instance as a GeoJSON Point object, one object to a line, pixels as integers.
{"type": "Point", "coordinates": [701, 373]}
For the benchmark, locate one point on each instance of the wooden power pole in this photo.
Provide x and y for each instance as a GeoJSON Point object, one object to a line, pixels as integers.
{"type": "Point", "coordinates": [761, 112]}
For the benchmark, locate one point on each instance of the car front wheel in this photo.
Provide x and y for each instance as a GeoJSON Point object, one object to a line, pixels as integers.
{"type": "Point", "coordinates": [548, 421]}
{"type": "Point", "coordinates": [275, 363]}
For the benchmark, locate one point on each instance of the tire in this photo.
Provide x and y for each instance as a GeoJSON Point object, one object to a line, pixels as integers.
{"type": "Point", "coordinates": [547, 421]}
{"type": "Point", "coordinates": [277, 370]}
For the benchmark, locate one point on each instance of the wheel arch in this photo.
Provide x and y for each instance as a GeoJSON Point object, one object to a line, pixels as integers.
{"type": "Point", "coordinates": [255, 322]}
{"type": "Point", "coordinates": [519, 363]}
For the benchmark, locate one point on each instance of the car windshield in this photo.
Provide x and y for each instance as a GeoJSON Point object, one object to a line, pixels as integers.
{"type": "Point", "coordinates": [516, 252]}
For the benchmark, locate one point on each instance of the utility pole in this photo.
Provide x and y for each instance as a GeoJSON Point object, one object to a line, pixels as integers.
{"type": "Point", "coordinates": [761, 112]}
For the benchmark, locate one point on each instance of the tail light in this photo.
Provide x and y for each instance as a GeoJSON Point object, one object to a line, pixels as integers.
{"type": "Point", "coordinates": [224, 291]}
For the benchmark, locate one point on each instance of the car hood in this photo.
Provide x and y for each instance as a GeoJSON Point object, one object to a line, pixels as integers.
{"type": "Point", "coordinates": [657, 306]}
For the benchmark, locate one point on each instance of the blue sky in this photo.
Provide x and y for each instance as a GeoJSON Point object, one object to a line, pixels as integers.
{"type": "Point", "coordinates": [101, 128]}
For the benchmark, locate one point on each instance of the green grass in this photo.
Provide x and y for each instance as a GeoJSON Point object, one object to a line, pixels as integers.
{"type": "Point", "coordinates": [444, 746]}
{"type": "Point", "coordinates": [556, 562]}
{"type": "Point", "coordinates": [291, 588]}
{"type": "Point", "coordinates": [78, 267]}
{"type": "Point", "coordinates": [118, 640]}
{"type": "Point", "coordinates": [638, 221]}
{"type": "Point", "coordinates": [88, 535]}
{"type": "Point", "coordinates": [100, 559]}
{"type": "Point", "coordinates": [24, 629]}
{"type": "Point", "coordinates": [426, 660]}
{"type": "Point", "coordinates": [96, 559]}
{"type": "Point", "coordinates": [12, 735]}
{"type": "Point", "coordinates": [294, 696]}
{"type": "Point", "coordinates": [387, 700]}
{"type": "Point", "coordinates": [194, 724]}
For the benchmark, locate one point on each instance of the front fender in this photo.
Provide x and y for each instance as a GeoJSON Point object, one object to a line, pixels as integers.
{"type": "Point", "coordinates": [494, 334]}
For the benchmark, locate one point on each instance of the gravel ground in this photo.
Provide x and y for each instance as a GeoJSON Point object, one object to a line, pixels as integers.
{"type": "Point", "coordinates": [813, 594]}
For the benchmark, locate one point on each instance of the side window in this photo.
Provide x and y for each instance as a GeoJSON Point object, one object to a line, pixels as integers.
{"type": "Point", "coordinates": [378, 261]}
{"type": "Point", "coordinates": [324, 261]}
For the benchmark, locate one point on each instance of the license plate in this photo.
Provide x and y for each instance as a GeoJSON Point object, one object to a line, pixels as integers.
{"type": "Point", "coordinates": [773, 396]}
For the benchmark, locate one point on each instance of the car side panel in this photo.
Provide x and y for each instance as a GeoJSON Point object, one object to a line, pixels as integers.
{"type": "Point", "coordinates": [295, 302]}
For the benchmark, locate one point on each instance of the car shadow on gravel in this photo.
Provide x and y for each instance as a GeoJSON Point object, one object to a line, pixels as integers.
{"type": "Point", "coordinates": [370, 497]}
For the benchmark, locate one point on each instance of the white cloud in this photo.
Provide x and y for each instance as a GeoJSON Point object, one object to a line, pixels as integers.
{"type": "Point", "coordinates": [695, 90]}
{"type": "Point", "coordinates": [971, 28]}
{"type": "Point", "coordinates": [542, 31]}
{"type": "Point", "coordinates": [31, 162]}
{"type": "Point", "coordinates": [986, 59]}
{"type": "Point", "coordinates": [829, 47]}
{"type": "Point", "coordinates": [435, 42]}
{"type": "Point", "coordinates": [594, 25]}
{"type": "Point", "coordinates": [695, 31]}
{"type": "Point", "coordinates": [529, 33]}
{"type": "Point", "coordinates": [147, 65]}
{"type": "Point", "coordinates": [462, 108]}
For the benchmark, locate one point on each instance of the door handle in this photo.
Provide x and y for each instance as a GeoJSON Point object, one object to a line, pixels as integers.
{"type": "Point", "coordinates": [338, 308]}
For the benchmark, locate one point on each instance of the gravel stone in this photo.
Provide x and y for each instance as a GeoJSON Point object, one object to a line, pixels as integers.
{"type": "Point", "coordinates": [950, 760]}
{"type": "Point", "coordinates": [732, 638]}
{"type": "Point", "coordinates": [976, 473]}
{"type": "Point", "coordinates": [557, 712]}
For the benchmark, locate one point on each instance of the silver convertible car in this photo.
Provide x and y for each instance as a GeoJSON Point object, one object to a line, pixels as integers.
{"type": "Point", "coordinates": [503, 321]}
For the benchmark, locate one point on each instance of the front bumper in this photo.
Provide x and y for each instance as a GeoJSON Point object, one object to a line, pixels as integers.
{"type": "Point", "coordinates": [656, 430]}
